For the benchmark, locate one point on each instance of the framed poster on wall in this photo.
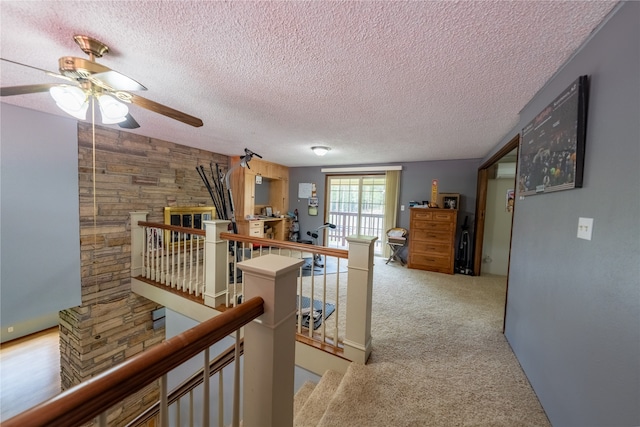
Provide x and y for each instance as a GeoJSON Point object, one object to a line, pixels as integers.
{"type": "Point", "coordinates": [551, 154]}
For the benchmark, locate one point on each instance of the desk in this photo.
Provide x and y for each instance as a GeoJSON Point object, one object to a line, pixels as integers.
{"type": "Point", "coordinates": [268, 228]}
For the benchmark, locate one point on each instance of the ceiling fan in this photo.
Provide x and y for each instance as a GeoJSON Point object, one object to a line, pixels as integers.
{"type": "Point", "coordinates": [86, 79]}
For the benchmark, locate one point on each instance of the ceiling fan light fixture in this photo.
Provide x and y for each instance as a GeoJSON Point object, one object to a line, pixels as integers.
{"type": "Point", "coordinates": [71, 99]}
{"type": "Point", "coordinates": [320, 150]}
{"type": "Point", "coordinates": [112, 110]}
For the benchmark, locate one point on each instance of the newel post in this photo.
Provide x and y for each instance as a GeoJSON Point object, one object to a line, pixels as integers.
{"type": "Point", "coordinates": [137, 243]}
{"type": "Point", "coordinates": [357, 340]}
{"type": "Point", "coordinates": [216, 263]}
{"type": "Point", "coordinates": [269, 341]}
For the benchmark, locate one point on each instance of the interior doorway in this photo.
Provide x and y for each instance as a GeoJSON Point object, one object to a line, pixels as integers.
{"type": "Point", "coordinates": [486, 171]}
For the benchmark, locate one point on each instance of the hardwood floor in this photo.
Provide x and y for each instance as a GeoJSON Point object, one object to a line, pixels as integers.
{"type": "Point", "coordinates": [29, 371]}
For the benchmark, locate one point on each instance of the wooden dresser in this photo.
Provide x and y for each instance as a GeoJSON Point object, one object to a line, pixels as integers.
{"type": "Point", "coordinates": [432, 236]}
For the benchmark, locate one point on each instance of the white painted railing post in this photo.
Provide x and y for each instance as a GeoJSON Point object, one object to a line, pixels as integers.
{"type": "Point", "coordinates": [137, 242]}
{"type": "Point", "coordinates": [269, 341]}
{"type": "Point", "coordinates": [216, 267]}
{"type": "Point", "coordinates": [357, 339]}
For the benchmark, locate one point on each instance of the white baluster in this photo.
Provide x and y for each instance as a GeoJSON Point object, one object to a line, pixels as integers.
{"type": "Point", "coordinates": [167, 277]}
{"type": "Point", "coordinates": [337, 308]}
{"type": "Point", "coordinates": [184, 265]}
{"type": "Point", "coordinates": [161, 250]}
{"type": "Point", "coordinates": [228, 280]}
{"type": "Point", "coordinates": [190, 287]}
{"type": "Point", "coordinates": [173, 260]}
{"type": "Point", "coordinates": [235, 420]}
{"type": "Point", "coordinates": [313, 292]}
{"type": "Point", "coordinates": [147, 270]}
{"type": "Point", "coordinates": [324, 303]}
{"type": "Point", "coordinates": [180, 241]}
{"type": "Point", "coordinates": [154, 255]}
{"type": "Point", "coordinates": [299, 296]}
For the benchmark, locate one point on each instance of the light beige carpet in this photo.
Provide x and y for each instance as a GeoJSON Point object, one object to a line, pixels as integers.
{"type": "Point", "coordinates": [439, 358]}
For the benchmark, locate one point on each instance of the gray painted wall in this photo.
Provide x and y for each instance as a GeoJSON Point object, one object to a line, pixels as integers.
{"type": "Point", "coordinates": [39, 245]}
{"type": "Point", "coordinates": [573, 311]}
{"type": "Point", "coordinates": [454, 176]}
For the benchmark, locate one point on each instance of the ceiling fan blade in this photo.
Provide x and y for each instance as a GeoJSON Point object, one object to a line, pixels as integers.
{"type": "Point", "coordinates": [129, 123]}
{"type": "Point", "coordinates": [50, 73]}
{"type": "Point", "coordinates": [99, 74]}
{"type": "Point", "coordinates": [23, 90]}
{"type": "Point", "coordinates": [164, 110]}
{"type": "Point", "coordinates": [117, 81]}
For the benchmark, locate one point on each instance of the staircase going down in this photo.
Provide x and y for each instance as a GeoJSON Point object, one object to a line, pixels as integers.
{"type": "Point", "coordinates": [311, 401]}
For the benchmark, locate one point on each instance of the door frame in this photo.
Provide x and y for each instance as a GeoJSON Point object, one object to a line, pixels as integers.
{"type": "Point", "coordinates": [481, 210]}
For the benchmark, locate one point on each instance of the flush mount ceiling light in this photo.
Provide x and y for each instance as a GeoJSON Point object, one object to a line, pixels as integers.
{"type": "Point", "coordinates": [320, 150]}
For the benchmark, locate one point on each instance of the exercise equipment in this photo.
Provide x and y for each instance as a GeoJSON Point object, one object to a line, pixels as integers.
{"type": "Point", "coordinates": [317, 258]}
{"type": "Point", "coordinates": [463, 257]}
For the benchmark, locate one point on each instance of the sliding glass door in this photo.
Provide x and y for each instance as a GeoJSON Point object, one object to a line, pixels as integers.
{"type": "Point", "coordinates": [356, 205]}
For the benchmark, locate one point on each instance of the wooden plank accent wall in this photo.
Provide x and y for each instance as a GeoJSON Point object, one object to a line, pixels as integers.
{"type": "Point", "coordinates": [133, 173]}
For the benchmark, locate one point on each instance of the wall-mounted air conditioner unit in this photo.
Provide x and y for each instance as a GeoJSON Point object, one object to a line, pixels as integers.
{"type": "Point", "coordinates": [506, 170]}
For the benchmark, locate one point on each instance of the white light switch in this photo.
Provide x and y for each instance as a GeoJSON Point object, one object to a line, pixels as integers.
{"type": "Point", "coordinates": [585, 227]}
{"type": "Point", "coordinates": [402, 207]}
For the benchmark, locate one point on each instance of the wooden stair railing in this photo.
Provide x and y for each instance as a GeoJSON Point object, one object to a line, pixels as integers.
{"type": "Point", "coordinates": [222, 361]}
{"type": "Point", "coordinates": [283, 244]}
{"type": "Point", "coordinates": [318, 339]}
{"type": "Point", "coordinates": [91, 398]}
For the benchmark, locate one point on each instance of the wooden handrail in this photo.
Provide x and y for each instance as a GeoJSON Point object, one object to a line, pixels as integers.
{"type": "Point", "coordinates": [87, 400]}
{"type": "Point", "coordinates": [177, 228]}
{"type": "Point", "coordinates": [223, 360]}
{"type": "Point", "coordinates": [283, 244]}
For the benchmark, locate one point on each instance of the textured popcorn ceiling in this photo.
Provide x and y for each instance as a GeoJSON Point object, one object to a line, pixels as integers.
{"type": "Point", "coordinates": [377, 82]}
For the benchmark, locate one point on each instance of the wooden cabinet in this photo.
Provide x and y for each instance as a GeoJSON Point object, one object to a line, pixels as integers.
{"type": "Point", "coordinates": [432, 235]}
{"type": "Point", "coordinates": [243, 188]}
{"type": "Point", "coordinates": [243, 182]}
{"type": "Point", "coordinates": [276, 228]}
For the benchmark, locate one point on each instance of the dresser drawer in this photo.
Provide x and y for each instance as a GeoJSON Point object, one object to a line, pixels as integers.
{"type": "Point", "coordinates": [433, 226]}
{"type": "Point", "coordinates": [431, 262]}
{"type": "Point", "coordinates": [445, 215]}
{"type": "Point", "coordinates": [432, 247]}
{"type": "Point", "coordinates": [424, 215]}
{"type": "Point", "coordinates": [431, 236]}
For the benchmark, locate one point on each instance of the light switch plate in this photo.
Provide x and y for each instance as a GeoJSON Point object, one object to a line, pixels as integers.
{"type": "Point", "coordinates": [585, 228]}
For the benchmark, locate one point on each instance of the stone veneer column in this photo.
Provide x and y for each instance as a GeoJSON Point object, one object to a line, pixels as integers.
{"type": "Point", "coordinates": [132, 173]}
